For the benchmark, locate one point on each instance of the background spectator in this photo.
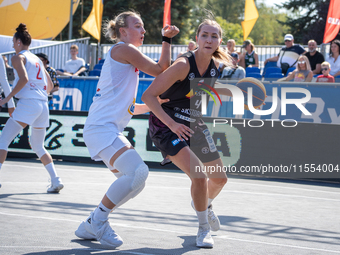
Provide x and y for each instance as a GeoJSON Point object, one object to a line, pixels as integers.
{"type": "Point", "coordinates": [191, 46]}
{"type": "Point", "coordinates": [51, 71]}
{"type": "Point", "coordinates": [302, 72]}
{"type": "Point", "coordinates": [5, 89]}
{"type": "Point", "coordinates": [325, 77]}
{"type": "Point", "coordinates": [250, 57]}
{"type": "Point", "coordinates": [9, 70]}
{"type": "Point", "coordinates": [315, 58]}
{"type": "Point", "coordinates": [231, 45]}
{"type": "Point", "coordinates": [289, 54]}
{"type": "Point", "coordinates": [235, 72]}
{"type": "Point", "coordinates": [334, 59]}
{"type": "Point", "coordinates": [74, 66]}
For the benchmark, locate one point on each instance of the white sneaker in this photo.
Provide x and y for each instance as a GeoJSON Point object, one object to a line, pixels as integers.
{"type": "Point", "coordinates": [84, 230]}
{"type": "Point", "coordinates": [102, 232]}
{"type": "Point", "coordinates": [56, 185]}
{"type": "Point", "coordinates": [204, 239]}
{"type": "Point", "coordinates": [213, 220]}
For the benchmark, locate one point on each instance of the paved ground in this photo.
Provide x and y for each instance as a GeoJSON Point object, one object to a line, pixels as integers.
{"type": "Point", "coordinates": [258, 216]}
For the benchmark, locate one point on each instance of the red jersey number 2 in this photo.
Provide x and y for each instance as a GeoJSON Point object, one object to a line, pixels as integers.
{"type": "Point", "coordinates": [37, 65]}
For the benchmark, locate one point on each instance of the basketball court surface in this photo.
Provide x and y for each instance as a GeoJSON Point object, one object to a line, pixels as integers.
{"type": "Point", "coordinates": [258, 216]}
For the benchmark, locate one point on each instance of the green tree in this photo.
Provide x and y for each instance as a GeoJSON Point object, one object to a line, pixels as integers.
{"type": "Point", "coordinates": [268, 29]}
{"type": "Point", "coordinates": [151, 13]}
{"type": "Point", "coordinates": [230, 31]}
{"type": "Point", "coordinates": [307, 19]}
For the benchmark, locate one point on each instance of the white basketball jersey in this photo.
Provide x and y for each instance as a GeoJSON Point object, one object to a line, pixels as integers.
{"type": "Point", "coordinates": [37, 80]}
{"type": "Point", "coordinates": [114, 101]}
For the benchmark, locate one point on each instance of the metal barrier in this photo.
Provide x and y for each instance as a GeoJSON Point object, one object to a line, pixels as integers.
{"type": "Point", "coordinates": [59, 53]}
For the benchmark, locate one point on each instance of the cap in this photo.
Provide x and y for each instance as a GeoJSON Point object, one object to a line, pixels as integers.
{"type": "Point", "coordinates": [234, 55]}
{"type": "Point", "coordinates": [246, 43]}
{"type": "Point", "coordinates": [289, 37]}
{"type": "Point", "coordinates": [44, 56]}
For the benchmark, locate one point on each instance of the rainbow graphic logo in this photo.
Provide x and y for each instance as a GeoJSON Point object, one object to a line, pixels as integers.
{"type": "Point", "coordinates": [204, 87]}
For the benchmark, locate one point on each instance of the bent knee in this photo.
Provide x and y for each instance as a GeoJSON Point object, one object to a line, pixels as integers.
{"type": "Point", "coordinates": [219, 181]}
{"type": "Point", "coordinates": [141, 174]}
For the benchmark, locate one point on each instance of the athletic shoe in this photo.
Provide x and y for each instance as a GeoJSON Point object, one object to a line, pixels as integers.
{"type": "Point", "coordinates": [56, 185]}
{"type": "Point", "coordinates": [213, 220]}
{"type": "Point", "coordinates": [84, 230]}
{"type": "Point", "coordinates": [204, 239]}
{"type": "Point", "coordinates": [103, 233]}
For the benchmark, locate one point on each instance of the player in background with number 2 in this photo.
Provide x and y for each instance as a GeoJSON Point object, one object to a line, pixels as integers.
{"type": "Point", "coordinates": [31, 86]}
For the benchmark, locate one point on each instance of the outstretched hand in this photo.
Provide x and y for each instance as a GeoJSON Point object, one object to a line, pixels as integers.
{"type": "Point", "coordinates": [170, 31]}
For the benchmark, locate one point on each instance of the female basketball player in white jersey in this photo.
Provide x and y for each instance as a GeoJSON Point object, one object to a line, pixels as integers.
{"type": "Point", "coordinates": [31, 86]}
{"type": "Point", "coordinates": [111, 110]}
{"type": "Point", "coordinates": [177, 124]}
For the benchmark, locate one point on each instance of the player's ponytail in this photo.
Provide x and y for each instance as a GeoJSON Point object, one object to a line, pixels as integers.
{"type": "Point", "coordinates": [23, 34]}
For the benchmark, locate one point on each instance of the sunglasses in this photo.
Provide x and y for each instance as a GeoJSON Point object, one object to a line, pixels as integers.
{"type": "Point", "coordinates": [287, 40]}
{"type": "Point", "coordinates": [324, 69]}
{"type": "Point", "coordinates": [301, 62]}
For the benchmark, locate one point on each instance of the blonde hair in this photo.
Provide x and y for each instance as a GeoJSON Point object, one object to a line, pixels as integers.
{"type": "Point", "coordinates": [306, 63]}
{"type": "Point", "coordinates": [220, 54]}
{"type": "Point", "coordinates": [111, 27]}
{"type": "Point", "coordinates": [233, 44]}
{"type": "Point", "coordinates": [325, 63]}
{"type": "Point", "coordinates": [74, 47]}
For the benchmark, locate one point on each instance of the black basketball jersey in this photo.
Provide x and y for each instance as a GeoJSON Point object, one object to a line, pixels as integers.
{"type": "Point", "coordinates": [186, 96]}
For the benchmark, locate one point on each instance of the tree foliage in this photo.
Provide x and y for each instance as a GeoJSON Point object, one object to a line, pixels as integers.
{"type": "Point", "coordinates": [151, 13]}
{"type": "Point", "coordinates": [307, 19]}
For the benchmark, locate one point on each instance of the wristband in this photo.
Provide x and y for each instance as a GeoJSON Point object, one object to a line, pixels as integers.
{"type": "Point", "coordinates": [166, 39]}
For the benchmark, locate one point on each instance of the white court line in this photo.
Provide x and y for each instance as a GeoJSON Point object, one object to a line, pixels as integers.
{"type": "Point", "coordinates": [178, 232]}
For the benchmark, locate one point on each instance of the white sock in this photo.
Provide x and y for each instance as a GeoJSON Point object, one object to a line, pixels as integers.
{"type": "Point", "coordinates": [210, 201]}
{"type": "Point", "coordinates": [101, 213]}
{"type": "Point", "coordinates": [202, 218]}
{"type": "Point", "coordinates": [51, 170]}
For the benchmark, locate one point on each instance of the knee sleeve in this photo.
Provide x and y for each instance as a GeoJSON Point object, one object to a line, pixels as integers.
{"type": "Point", "coordinates": [37, 141]}
{"type": "Point", "coordinates": [9, 132]}
{"type": "Point", "coordinates": [135, 173]}
{"type": "Point", "coordinates": [132, 165]}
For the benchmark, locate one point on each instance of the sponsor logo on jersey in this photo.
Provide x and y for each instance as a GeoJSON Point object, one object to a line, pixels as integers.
{"type": "Point", "coordinates": [205, 150]}
{"type": "Point", "coordinates": [131, 108]}
{"type": "Point", "coordinates": [180, 116]}
{"type": "Point", "coordinates": [191, 76]}
{"type": "Point", "coordinates": [212, 72]}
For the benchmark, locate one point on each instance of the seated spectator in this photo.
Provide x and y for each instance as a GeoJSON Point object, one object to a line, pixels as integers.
{"type": "Point", "coordinates": [231, 45]}
{"type": "Point", "coordinates": [75, 66]}
{"type": "Point", "coordinates": [191, 46]}
{"type": "Point", "coordinates": [250, 57]}
{"type": "Point", "coordinates": [302, 73]}
{"type": "Point", "coordinates": [288, 55]}
{"type": "Point", "coordinates": [325, 76]}
{"type": "Point", "coordinates": [51, 71]}
{"type": "Point", "coordinates": [334, 59]}
{"type": "Point", "coordinates": [315, 58]}
{"type": "Point", "coordinates": [235, 72]}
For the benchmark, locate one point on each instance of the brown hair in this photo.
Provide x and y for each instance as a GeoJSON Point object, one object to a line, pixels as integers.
{"type": "Point", "coordinates": [23, 34]}
{"type": "Point", "coordinates": [111, 27]}
{"type": "Point", "coordinates": [220, 53]}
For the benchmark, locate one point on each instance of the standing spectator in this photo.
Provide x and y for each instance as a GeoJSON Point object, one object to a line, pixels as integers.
{"type": "Point", "coordinates": [315, 58]}
{"type": "Point", "coordinates": [325, 77]}
{"type": "Point", "coordinates": [334, 59]}
{"type": "Point", "coordinates": [302, 72]}
{"type": "Point", "coordinates": [51, 71]}
{"type": "Point", "coordinates": [74, 66]}
{"type": "Point", "coordinates": [288, 55]}
{"type": "Point", "coordinates": [235, 72]}
{"type": "Point", "coordinates": [250, 57]}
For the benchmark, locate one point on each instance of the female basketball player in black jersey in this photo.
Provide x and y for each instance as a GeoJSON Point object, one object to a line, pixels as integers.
{"type": "Point", "coordinates": [176, 125]}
